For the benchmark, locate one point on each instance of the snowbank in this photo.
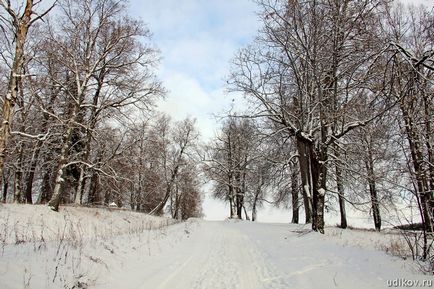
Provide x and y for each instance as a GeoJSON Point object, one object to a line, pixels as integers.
{"type": "Point", "coordinates": [35, 223]}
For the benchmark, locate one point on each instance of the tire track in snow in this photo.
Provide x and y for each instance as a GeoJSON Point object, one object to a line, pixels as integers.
{"type": "Point", "coordinates": [230, 265]}
{"type": "Point", "coordinates": [230, 261]}
{"type": "Point", "coordinates": [215, 255]}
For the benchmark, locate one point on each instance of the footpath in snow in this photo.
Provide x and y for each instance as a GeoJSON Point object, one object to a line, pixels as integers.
{"type": "Point", "coordinates": [242, 255]}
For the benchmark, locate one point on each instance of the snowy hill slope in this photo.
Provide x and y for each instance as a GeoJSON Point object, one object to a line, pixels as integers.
{"type": "Point", "coordinates": [73, 248]}
{"type": "Point", "coordinates": [33, 223]}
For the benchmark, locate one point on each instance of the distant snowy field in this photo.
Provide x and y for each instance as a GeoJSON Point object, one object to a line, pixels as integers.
{"type": "Point", "coordinates": [100, 248]}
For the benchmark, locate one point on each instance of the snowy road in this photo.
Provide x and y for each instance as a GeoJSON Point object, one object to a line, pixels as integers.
{"type": "Point", "coordinates": [242, 255]}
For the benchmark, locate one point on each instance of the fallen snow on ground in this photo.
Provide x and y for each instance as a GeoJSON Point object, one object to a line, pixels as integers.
{"type": "Point", "coordinates": [32, 223]}
{"type": "Point", "coordinates": [208, 255]}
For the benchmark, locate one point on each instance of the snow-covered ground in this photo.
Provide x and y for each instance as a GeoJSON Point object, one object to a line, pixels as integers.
{"type": "Point", "coordinates": [32, 223]}
{"type": "Point", "coordinates": [207, 255]}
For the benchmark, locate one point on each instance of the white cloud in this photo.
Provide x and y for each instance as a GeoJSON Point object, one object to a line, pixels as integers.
{"type": "Point", "coordinates": [201, 57]}
{"type": "Point", "coordinates": [187, 97]}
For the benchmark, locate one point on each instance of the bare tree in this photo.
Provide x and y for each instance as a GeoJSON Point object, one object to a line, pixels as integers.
{"type": "Point", "coordinates": [235, 166]}
{"type": "Point", "coordinates": [16, 22]}
{"type": "Point", "coordinates": [175, 148]}
{"type": "Point", "coordinates": [186, 199]}
{"type": "Point", "coordinates": [106, 67]}
{"type": "Point", "coordinates": [409, 31]}
{"type": "Point", "coordinates": [310, 63]}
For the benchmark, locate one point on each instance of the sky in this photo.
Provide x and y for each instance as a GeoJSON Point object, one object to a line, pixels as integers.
{"type": "Point", "coordinates": [198, 39]}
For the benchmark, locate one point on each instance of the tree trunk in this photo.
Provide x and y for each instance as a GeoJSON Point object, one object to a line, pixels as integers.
{"type": "Point", "coordinates": [63, 160]}
{"type": "Point", "coordinates": [294, 194]}
{"type": "Point", "coordinates": [369, 163]}
{"type": "Point", "coordinates": [341, 194]}
{"type": "Point", "coordinates": [231, 207]}
{"type": "Point", "coordinates": [254, 212]}
{"type": "Point", "coordinates": [239, 208]}
{"type": "Point", "coordinates": [159, 209]}
{"type": "Point", "coordinates": [88, 139]}
{"type": "Point", "coordinates": [176, 204]}
{"type": "Point", "coordinates": [18, 181]}
{"type": "Point", "coordinates": [46, 189]}
{"type": "Point", "coordinates": [80, 187]}
{"type": "Point", "coordinates": [232, 201]}
{"type": "Point", "coordinates": [22, 25]}
{"type": "Point", "coordinates": [429, 141]}
{"type": "Point", "coordinates": [240, 204]}
{"type": "Point", "coordinates": [18, 192]}
{"type": "Point", "coordinates": [313, 171]}
{"type": "Point", "coordinates": [245, 213]}
{"type": "Point", "coordinates": [416, 151]}
{"type": "Point", "coordinates": [31, 172]}
{"type": "Point", "coordinates": [319, 178]}
{"type": "Point", "coordinates": [306, 177]}
{"type": "Point", "coordinates": [45, 193]}
{"type": "Point", "coordinates": [94, 196]}
{"type": "Point", "coordinates": [5, 188]}
{"type": "Point", "coordinates": [375, 206]}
